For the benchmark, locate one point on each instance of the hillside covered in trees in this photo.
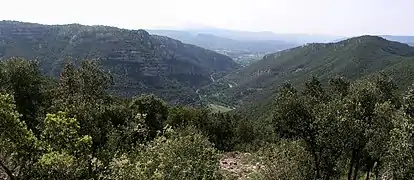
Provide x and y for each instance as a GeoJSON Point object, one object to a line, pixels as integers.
{"type": "Point", "coordinates": [355, 58]}
{"type": "Point", "coordinates": [79, 103]}
{"type": "Point", "coordinates": [73, 129]}
{"type": "Point", "coordinates": [139, 62]}
{"type": "Point", "coordinates": [403, 39]}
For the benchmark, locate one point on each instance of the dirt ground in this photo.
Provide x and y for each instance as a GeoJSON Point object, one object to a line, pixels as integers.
{"type": "Point", "coordinates": [240, 166]}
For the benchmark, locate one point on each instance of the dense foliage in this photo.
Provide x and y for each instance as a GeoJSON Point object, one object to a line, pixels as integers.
{"type": "Point", "coordinates": [348, 129]}
{"type": "Point", "coordinates": [355, 58]}
{"type": "Point", "coordinates": [73, 128]}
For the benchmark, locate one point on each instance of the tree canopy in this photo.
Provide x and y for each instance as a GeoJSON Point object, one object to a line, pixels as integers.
{"type": "Point", "coordinates": [73, 128]}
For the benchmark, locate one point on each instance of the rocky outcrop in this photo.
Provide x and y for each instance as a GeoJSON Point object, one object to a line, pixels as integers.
{"type": "Point", "coordinates": [140, 62]}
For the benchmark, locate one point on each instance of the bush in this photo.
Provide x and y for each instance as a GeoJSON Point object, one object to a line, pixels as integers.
{"type": "Point", "coordinates": [184, 155]}
{"type": "Point", "coordinates": [285, 160]}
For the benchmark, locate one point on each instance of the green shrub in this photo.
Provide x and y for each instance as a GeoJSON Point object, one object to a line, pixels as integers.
{"type": "Point", "coordinates": [285, 160]}
{"type": "Point", "coordinates": [184, 155]}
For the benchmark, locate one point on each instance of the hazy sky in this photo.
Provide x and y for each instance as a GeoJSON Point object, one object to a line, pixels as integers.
{"type": "Point", "coordinates": [335, 17]}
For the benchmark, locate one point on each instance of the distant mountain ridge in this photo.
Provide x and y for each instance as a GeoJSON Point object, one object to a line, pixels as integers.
{"type": "Point", "coordinates": [354, 58]}
{"type": "Point", "coordinates": [403, 39]}
{"type": "Point", "coordinates": [243, 51]}
{"type": "Point", "coordinates": [141, 63]}
{"type": "Point", "coordinates": [296, 38]}
{"type": "Point", "coordinates": [213, 42]}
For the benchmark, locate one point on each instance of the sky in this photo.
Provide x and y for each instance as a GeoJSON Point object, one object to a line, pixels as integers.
{"type": "Point", "coordinates": [330, 17]}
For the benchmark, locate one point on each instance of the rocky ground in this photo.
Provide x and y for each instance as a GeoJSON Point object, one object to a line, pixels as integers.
{"type": "Point", "coordinates": [239, 166]}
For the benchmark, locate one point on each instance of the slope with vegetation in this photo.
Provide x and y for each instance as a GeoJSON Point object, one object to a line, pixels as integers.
{"type": "Point", "coordinates": [403, 39]}
{"type": "Point", "coordinates": [355, 58]}
{"type": "Point", "coordinates": [139, 62]}
{"type": "Point", "coordinates": [73, 129]}
{"type": "Point", "coordinates": [344, 115]}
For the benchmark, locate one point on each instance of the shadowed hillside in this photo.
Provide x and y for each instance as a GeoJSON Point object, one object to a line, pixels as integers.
{"type": "Point", "coordinates": [353, 58]}
{"type": "Point", "coordinates": [139, 62]}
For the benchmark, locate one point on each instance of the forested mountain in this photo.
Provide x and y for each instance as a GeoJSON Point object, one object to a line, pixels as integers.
{"type": "Point", "coordinates": [72, 128]}
{"type": "Point", "coordinates": [402, 39]}
{"type": "Point", "coordinates": [139, 62]}
{"type": "Point", "coordinates": [353, 58]}
{"type": "Point", "coordinates": [340, 116]}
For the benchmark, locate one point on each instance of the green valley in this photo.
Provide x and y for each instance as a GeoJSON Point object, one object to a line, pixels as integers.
{"type": "Point", "coordinates": [354, 58]}
{"type": "Point", "coordinates": [243, 50]}
{"type": "Point", "coordinates": [105, 103]}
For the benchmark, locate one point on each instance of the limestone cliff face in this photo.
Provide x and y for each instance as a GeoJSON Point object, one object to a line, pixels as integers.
{"type": "Point", "coordinates": [140, 62]}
